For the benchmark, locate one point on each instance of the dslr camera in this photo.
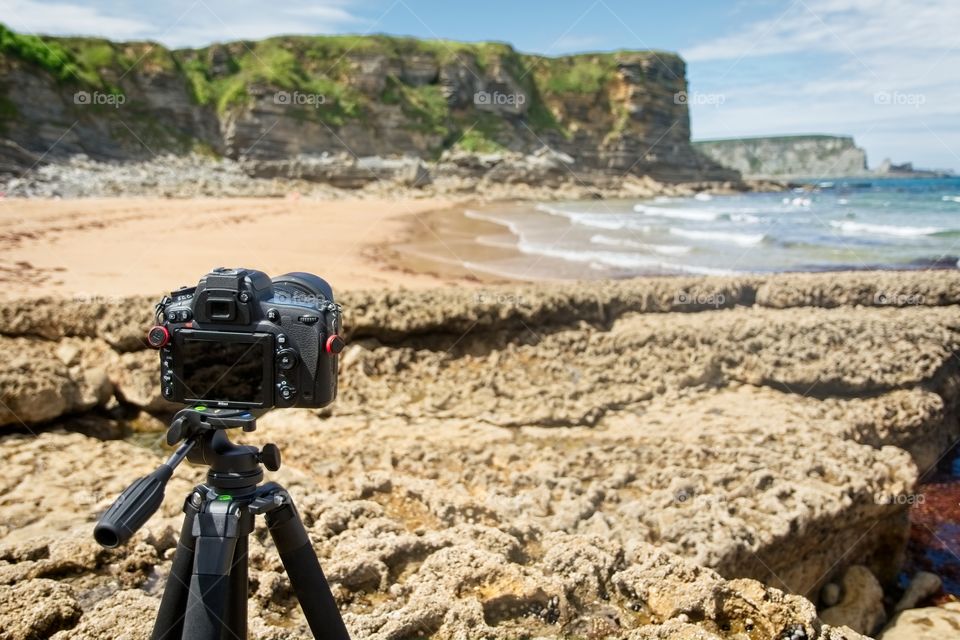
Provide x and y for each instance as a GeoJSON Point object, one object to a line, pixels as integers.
{"type": "Point", "coordinates": [242, 340]}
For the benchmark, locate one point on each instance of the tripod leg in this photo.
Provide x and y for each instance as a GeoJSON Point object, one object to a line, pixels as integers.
{"type": "Point", "coordinates": [169, 623]}
{"type": "Point", "coordinates": [306, 576]}
{"type": "Point", "coordinates": [214, 556]}
{"type": "Point", "coordinates": [236, 618]}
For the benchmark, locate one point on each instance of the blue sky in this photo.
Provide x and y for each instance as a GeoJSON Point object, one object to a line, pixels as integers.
{"type": "Point", "coordinates": [885, 71]}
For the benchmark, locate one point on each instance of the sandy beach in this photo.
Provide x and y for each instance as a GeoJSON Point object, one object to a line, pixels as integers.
{"type": "Point", "coordinates": [129, 246]}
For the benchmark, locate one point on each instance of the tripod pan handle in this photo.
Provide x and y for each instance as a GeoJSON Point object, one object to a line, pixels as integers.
{"type": "Point", "coordinates": [132, 509]}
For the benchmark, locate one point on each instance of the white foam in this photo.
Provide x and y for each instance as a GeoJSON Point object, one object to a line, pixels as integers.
{"type": "Point", "coordinates": [679, 214]}
{"type": "Point", "coordinates": [610, 258]}
{"type": "Point", "coordinates": [798, 202]}
{"type": "Point", "coordinates": [747, 218]}
{"type": "Point", "coordinates": [951, 198]}
{"type": "Point", "coordinates": [882, 229]}
{"type": "Point", "coordinates": [586, 218]}
{"type": "Point", "coordinates": [486, 217]}
{"type": "Point", "coordinates": [725, 237]}
{"type": "Point", "coordinates": [704, 197]}
{"type": "Point", "coordinates": [618, 259]}
{"type": "Point", "coordinates": [663, 249]}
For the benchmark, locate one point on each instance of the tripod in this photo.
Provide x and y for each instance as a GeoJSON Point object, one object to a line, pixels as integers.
{"type": "Point", "coordinates": [205, 597]}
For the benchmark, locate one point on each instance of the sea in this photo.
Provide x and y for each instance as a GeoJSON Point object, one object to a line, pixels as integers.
{"type": "Point", "coordinates": [842, 224]}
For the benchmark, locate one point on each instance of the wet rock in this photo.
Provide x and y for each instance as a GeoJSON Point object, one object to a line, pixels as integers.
{"type": "Point", "coordinates": [923, 585]}
{"type": "Point", "coordinates": [861, 607]}
{"type": "Point", "coordinates": [830, 594]}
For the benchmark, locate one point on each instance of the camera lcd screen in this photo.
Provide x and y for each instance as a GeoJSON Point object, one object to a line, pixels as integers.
{"type": "Point", "coordinates": [225, 371]}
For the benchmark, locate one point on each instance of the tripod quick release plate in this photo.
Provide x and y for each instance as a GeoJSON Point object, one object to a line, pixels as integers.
{"type": "Point", "coordinates": [191, 421]}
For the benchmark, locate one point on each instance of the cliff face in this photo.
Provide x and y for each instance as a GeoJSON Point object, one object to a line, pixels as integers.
{"type": "Point", "coordinates": [788, 156]}
{"type": "Point", "coordinates": [363, 96]}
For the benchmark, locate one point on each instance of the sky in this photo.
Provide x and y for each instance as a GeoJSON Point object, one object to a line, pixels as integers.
{"type": "Point", "coordinates": [885, 71]}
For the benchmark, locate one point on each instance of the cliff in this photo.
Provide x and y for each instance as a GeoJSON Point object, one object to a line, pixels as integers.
{"type": "Point", "coordinates": [788, 156]}
{"type": "Point", "coordinates": [283, 99]}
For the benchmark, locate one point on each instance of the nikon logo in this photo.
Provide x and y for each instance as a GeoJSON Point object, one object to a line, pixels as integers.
{"type": "Point", "coordinates": [308, 319]}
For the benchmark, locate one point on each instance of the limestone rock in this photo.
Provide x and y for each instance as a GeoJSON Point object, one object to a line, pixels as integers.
{"type": "Point", "coordinates": [125, 615]}
{"type": "Point", "coordinates": [38, 386]}
{"type": "Point", "coordinates": [861, 607]}
{"type": "Point", "coordinates": [35, 609]}
{"type": "Point", "coordinates": [929, 623]}
{"type": "Point", "coordinates": [137, 378]}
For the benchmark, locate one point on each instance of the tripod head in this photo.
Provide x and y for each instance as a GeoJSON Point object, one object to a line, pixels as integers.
{"type": "Point", "coordinates": [202, 434]}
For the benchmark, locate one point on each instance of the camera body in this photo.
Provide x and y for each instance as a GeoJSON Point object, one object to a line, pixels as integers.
{"type": "Point", "coordinates": [240, 339]}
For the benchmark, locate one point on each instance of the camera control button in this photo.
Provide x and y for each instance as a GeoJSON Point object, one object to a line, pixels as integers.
{"type": "Point", "coordinates": [273, 315]}
{"type": "Point", "coordinates": [184, 315]}
{"type": "Point", "coordinates": [172, 315]}
{"type": "Point", "coordinates": [282, 340]}
{"type": "Point", "coordinates": [286, 359]}
{"type": "Point", "coordinates": [158, 337]}
{"type": "Point", "coordinates": [335, 344]}
{"type": "Point", "coordinates": [287, 393]}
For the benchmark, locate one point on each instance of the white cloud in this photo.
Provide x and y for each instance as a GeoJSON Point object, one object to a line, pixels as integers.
{"type": "Point", "coordinates": [871, 68]}
{"type": "Point", "coordinates": [180, 23]}
{"type": "Point", "coordinates": [32, 16]}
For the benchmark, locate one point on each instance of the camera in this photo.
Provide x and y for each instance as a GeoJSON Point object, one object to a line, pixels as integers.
{"type": "Point", "coordinates": [240, 339]}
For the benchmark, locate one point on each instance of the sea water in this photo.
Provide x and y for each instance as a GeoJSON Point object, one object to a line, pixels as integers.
{"type": "Point", "coordinates": [868, 223]}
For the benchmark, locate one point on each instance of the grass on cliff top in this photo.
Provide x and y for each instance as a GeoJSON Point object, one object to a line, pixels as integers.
{"type": "Point", "coordinates": [90, 61]}
{"type": "Point", "coordinates": [225, 76]}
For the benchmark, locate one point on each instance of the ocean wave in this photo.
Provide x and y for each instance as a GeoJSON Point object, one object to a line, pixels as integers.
{"type": "Point", "coordinates": [747, 218]}
{"type": "Point", "coordinates": [725, 237]}
{"type": "Point", "coordinates": [679, 214]}
{"type": "Point", "coordinates": [585, 218]}
{"type": "Point", "coordinates": [663, 249]}
{"type": "Point", "coordinates": [704, 197]}
{"type": "Point", "coordinates": [473, 214]}
{"type": "Point", "coordinates": [847, 226]}
{"type": "Point", "coordinates": [618, 259]}
{"type": "Point", "coordinates": [951, 198]}
{"type": "Point", "coordinates": [609, 258]}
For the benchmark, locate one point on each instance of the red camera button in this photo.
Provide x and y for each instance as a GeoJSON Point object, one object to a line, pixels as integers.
{"type": "Point", "coordinates": [158, 337]}
{"type": "Point", "coordinates": [335, 344]}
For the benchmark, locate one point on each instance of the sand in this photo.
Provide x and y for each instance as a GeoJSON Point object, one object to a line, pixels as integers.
{"type": "Point", "coordinates": [125, 246]}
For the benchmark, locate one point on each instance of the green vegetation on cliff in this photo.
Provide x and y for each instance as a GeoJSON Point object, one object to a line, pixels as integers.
{"type": "Point", "coordinates": [425, 88]}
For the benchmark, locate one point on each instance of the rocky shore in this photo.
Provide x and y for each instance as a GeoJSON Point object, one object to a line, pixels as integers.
{"type": "Point", "coordinates": [653, 458]}
{"type": "Point", "coordinates": [542, 175]}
